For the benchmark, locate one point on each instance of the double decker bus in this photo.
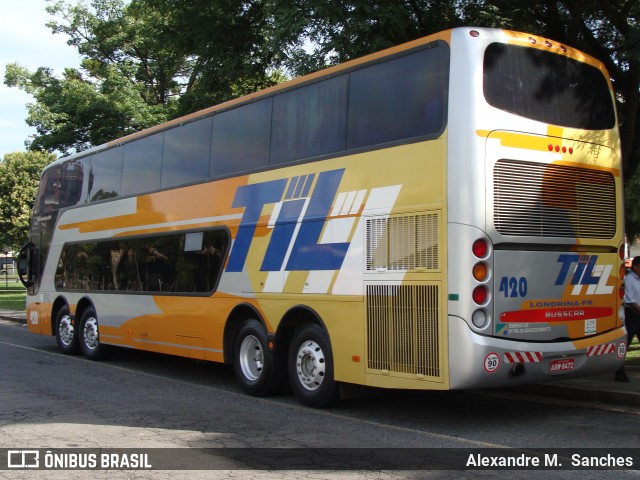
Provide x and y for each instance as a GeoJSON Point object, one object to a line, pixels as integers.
{"type": "Point", "coordinates": [445, 214]}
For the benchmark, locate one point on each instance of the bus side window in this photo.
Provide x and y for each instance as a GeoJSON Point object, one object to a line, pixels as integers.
{"type": "Point", "coordinates": [200, 264]}
{"type": "Point", "coordinates": [49, 193]}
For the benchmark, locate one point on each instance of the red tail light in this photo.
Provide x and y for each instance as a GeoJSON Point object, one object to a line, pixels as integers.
{"type": "Point", "coordinates": [480, 295]}
{"type": "Point", "coordinates": [480, 248]}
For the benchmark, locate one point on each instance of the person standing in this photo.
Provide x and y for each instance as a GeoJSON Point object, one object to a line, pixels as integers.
{"type": "Point", "coordinates": [631, 309]}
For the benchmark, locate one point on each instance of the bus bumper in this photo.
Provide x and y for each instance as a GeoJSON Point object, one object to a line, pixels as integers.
{"type": "Point", "coordinates": [478, 361]}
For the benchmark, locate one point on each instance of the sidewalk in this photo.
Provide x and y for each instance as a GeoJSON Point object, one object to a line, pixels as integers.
{"type": "Point", "coordinates": [16, 316]}
{"type": "Point", "coordinates": [601, 389]}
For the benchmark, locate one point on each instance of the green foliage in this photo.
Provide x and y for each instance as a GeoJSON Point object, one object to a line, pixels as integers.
{"type": "Point", "coordinates": [314, 33]}
{"type": "Point", "coordinates": [19, 177]}
{"type": "Point", "coordinates": [228, 43]}
{"type": "Point", "coordinates": [606, 29]}
{"type": "Point", "coordinates": [146, 61]}
{"type": "Point", "coordinates": [127, 80]}
{"type": "Point", "coordinates": [74, 113]}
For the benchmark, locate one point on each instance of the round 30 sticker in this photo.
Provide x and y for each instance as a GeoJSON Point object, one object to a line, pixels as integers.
{"type": "Point", "coordinates": [491, 362]}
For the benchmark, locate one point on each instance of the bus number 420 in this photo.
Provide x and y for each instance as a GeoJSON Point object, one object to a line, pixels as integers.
{"type": "Point", "coordinates": [513, 287]}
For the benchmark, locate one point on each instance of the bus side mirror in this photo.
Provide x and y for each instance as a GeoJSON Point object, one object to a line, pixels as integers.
{"type": "Point", "coordinates": [25, 264]}
{"type": "Point", "coordinates": [22, 266]}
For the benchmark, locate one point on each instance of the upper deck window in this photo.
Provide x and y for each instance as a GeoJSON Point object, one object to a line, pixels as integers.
{"type": "Point", "coordinates": [547, 87]}
{"type": "Point", "coordinates": [399, 99]}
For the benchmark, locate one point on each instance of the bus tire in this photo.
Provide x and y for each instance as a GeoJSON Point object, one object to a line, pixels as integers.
{"type": "Point", "coordinates": [259, 370]}
{"type": "Point", "coordinates": [66, 332]}
{"type": "Point", "coordinates": [311, 367]}
{"type": "Point", "coordinates": [89, 336]}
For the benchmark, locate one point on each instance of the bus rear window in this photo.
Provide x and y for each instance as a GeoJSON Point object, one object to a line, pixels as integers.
{"type": "Point", "coordinates": [547, 87]}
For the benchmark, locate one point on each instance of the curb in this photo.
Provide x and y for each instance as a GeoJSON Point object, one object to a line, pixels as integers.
{"type": "Point", "coordinates": [581, 393]}
{"type": "Point", "coordinates": [14, 316]}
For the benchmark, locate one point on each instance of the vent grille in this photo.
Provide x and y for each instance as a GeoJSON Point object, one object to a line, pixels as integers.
{"type": "Point", "coordinates": [403, 243]}
{"type": "Point", "coordinates": [402, 329]}
{"type": "Point", "coordinates": [533, 199]}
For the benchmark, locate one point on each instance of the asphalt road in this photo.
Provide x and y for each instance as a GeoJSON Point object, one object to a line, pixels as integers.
{"type": "Point", "coordinates": [139, 400]}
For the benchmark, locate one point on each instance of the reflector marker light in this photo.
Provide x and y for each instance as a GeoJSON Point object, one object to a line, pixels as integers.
{"type": "Point", "coordinates": [558, 149]}
{"type": "Point", "coordinates": [522, 357]}
{"type": "Point", "coordinates": [597, 350]}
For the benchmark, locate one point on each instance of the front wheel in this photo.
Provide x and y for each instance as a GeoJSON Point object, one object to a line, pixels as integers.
{"type": "Point", "coordinates": [259, 370]}
{"type": "Point", "coordinates": [89, 336]}
{"type": "Point", "coordinates": [311, 368]}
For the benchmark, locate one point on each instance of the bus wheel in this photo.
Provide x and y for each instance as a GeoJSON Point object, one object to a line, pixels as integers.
{"type": "Point", "coordinates": [258, 370]}
{"type": "Point", "coordinates": [90, 337]}
{"type": "Point", "coordinates": [311, 368]}
{"type": "Point", "coordinates": [66, 333]}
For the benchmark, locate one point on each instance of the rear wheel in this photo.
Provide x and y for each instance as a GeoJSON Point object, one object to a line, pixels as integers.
{"type": "Point", "coordinates": [66, 332]}
{"type": "Point", "coordinates": [311, 368]}
{"type": "Point", "coordinates": [89, 336]}
{"type": "Point", "coordinates": [258, 370]}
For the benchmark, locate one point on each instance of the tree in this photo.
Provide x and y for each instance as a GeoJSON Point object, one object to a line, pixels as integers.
{"type": "Point", "coordinates": [74, 113]}
{"type": "Point", "coordinates": [229, 43]}
{"type": "Point", "coordinates": [150, 60]}
{"type": "Point", "coordinates": [127, 80]}
{"type": "Point", "coordinates": [606, 29]}
{"type": "Point", "coordinates": [316, 32]}
{"type": "Point", "coordinates": [144, 62]}
{"type": "Point", "coordinates": [19, 177]}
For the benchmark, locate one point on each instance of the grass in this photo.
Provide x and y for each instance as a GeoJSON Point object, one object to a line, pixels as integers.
{"type": "Point", "coordinates": [633, 354]}
{"type": "Point", "coordinates": [12, 294]}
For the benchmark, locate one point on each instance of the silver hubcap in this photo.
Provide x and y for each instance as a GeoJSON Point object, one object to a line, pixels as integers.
{"type": "Point", "coordinates": [65, 330]}
{"type": "Point", "coordinates": [310, 365]}
{"type": "Point", "coordinates": [91, 333]}
{"type": "Point", "coordinates": [251, 358]}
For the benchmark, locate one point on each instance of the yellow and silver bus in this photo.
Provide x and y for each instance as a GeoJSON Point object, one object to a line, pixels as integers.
{"type": "Point", "coordinates": [445, 214]}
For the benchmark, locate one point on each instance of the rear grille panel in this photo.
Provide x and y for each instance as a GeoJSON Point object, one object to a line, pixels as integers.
{"type": "Point", "coordinates": [402, 329]}
{"type": "Point", "coordinates": [533, 199]}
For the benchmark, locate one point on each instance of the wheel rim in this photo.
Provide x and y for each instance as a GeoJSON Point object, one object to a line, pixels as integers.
{"type": "Point", "coordinates": [251, 358]}
{"type": "Point", "coordinates": [91, 339]}
{"type": "Point", "coordinates": [310, 365]}
{"type": "Point", "coordinates": [66, 330]}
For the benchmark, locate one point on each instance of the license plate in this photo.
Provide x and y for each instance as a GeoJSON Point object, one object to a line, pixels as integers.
{"type": "Point", "coordinates": [562, 365]}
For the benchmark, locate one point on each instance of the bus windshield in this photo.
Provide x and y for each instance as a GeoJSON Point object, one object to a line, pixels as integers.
{"type": "Point", "coordinates": [547, 87]}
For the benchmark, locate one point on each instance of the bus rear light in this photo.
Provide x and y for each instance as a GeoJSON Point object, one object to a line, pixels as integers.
{"type": "Point", "coordinates": [480, 295]}
{"type": "Point", "coordinates": [479, 319]}
{"type": "Point", "coordinates": [532, 41]}
{"type": "Point", "coordinates": [621, 252]}
{"type": "Point", "coordinates": [622, 272]}
{"type": "Point", "coordinates": [474, 33]}
{"type": "Point", "coordinates": [480, 271]}
{"type": "Point", "coordinates": [480, 248]}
